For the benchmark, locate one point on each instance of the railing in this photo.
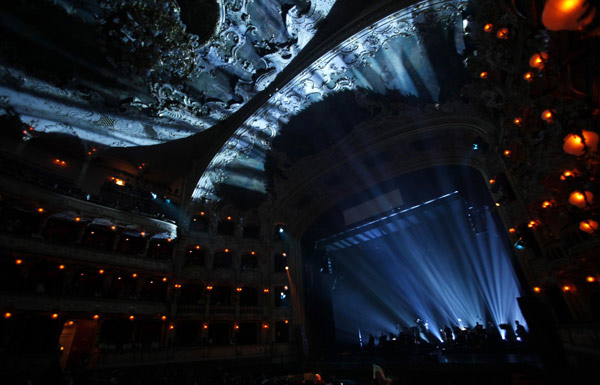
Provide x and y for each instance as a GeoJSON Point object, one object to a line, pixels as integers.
{"type": "Point", "coordinates": [222, 310]}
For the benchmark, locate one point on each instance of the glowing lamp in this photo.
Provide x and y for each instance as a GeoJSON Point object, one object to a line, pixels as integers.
{"type": "Point", "coordinates": [228, 218]}
{"type": "Point", "coordinates": [566, 174]}
{"type": "Point", "coordinates": [265, 325]}
{"type": "Point", "coordinates": [131, 317]}
{"type": "Point", "coordinates": [201, 212]}
{"type": "Point", "coordinates": [236, 326]}
{"type": "Point", "coordinates": [209, 288]}
{"type": "Point", "coordinates": [169, 239]}
{"type": "Point", "coordinates": [590, 279]}
{"type": "Point", "coordinates": [538, 60]}
{"type": "Point", "coordinates": [507, 153]}
{"type": "Point", "coordinates": [537, 289]}
{"type": "Point", "coordinates": [252, 252]}
{"type": "Point", "coordinates": [70, 323]}
{"type": "Point", "coordinates": [96, 316]}
{"type": "Point", "coordinates": [517, 121]}
{"type": "Point", "coordinates": [483, 75]}
{"type": "Point", "coordinates": [575, 144]}
{"type": "Point", "coordinates": [533, 224]}
{"type": "Point", "coordinates": [488, 27]}
{"type": "Point", "coordinates": [546, 204]}
{"type": "Point", "coordinates": [164, 318]}
{"type": "Point", "coordinates": [528, 77]}
{"type": "Point", "coordinates": [287, 267]}
{"type": "Point", "coordinates": [589, 226]}
{"type": "Point", "coordinates": [54, 316]}
{"type": "Point", "coordinates": [77, 219]}
{"type": "Point", "coordinates": [171, 326]}
{"type": "Point", "coordinates": [571, 15]}
{"type": "Point", "coordinates": [204, 325]}
{"type": "Point", "coordinates": [284, 254]}
{"type": "Point", "coordinates": [238, 289]}
{"type": "Point", "coordinates": [62, 348]}
{"type": "Point", "coordinates": [18, 261]}
{"type": "Point", "coordinates": [227, 250]}
{"type": "Point", "coordinates": [143, 234]}
{"type": "Point", "coordinates": [7, 315]}
{"type": "Point", "coordinates": [134, 275]}
{"type": "Point", "coordinates": [492, 181]}
{"type": "Point", "coordinates": [119, 182]}
{"type": "Point", "coordinates": [547, 116]}
{"type": "Point", "coordinates": [566, 288]}
{"type": "Point", "coordinates": [581, 199]}
{"type": "Point", "coordinates": [40, 210]}
{"type": "Point", "coordinates": [497, 204]}
{"type": "Point", "coordinates": [101, 271]}
{"type": "Point", "coordinates": [502, 33]}
{"type": "Point", "coordinates": [286, 322]}
{"type": "Point", "coordinates": [164, 279]}
{"type": "Point", "coordinates": [512, 230]}
{"type": "Point", "coordinates": [61, 267]}
{"type": "Point", "coordinates": [265, 290]}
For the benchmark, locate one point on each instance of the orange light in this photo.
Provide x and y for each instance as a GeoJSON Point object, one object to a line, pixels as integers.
{"type": "Point", "coordinates": [265, 290]}
{"type": "Point", "coordinates": [507, 153]}
{"type": "Point", "coordinates": [512, 230]}
{"type": "Point", "coordinates": [171, 326]}
{"type": "Point", "coordinates": [284, 254]}
{"type": "Point", "coordinates": [502, 33]}
{"type": "Point", "coordinates": [590, 279]}
{"type": "Point", "coordinates": [547, 116]}
{"type": "Point", "coordinates": [488, 27]}
{"type": "Point", "coordinates": [227, 250]}
{"type": "Point", "coordinates": [533, 224]}
{"type": "Point", "coordinates": [18, 261]}
{"type": "Point", "coordinates": [236, 326]}
{"type": "Point", "coordinates": [119, 182]}
{"type": "Point", "coordinates": [566, 288]}
{"type": "Point", "coordinates": [113, 228]}
{"type": "Point", "coordinates": [571, 15]}
{"type": "Point", "coordinates": [252, 253]}
{"type": "Point", "coordinates": [286, 321]}
{"type": "Point", "coordinates": [204, 325]}
{"type": "Point", "coordinates": [566, 175]}
{"type": "Point", "coordinates": [201, 212]}
{"type": "Point", "coordinates": [528, 77]}
{"type": "Point", "coordinates": [265, 325]}
{"type": "Point", "coordinates": [77, 219]}
{"type": "Point", "coordinates": [576, 144]}
{"type": "Point", "coordinates": [40, 210]}
{"type": "Point", "coordinates": [537, 289]}
{"type": "Point", "coordinates": [70, 323]}
{"type": "Point", "coordinates": [62, 348]}
{"type": "Point", "coordinates": [101, 271]}
{"type": "Point", "coordinates": [169, 239]}
{"type": "Point", "coordinates": [285, 287]}
{"type": "Point", "coordinates": [96, 316]}
{"type": "Point", "coordinates": [61, 267]}
{"type": "Point", "coordinates": [581, 199]}
{"type": "Point", "coordinates": [209, 288]}
{"type": "Point", "coordinates": [238, 289]}
{"type": "Point", "coordinates": [164, 318]}
{"type": "Point", "coordinates": [546, 204]}
{"type": "Point", "coordinates": [143, 233]}
{"type": "Point", "coordinates": [589, 226]}
{"type": "Point", "coordinates": [287, 267]}
{"type": "Point", "coordinates": [164, 279]}
{"type": "Point", "coordinates": [483, 75]}
{"type": "Point", "coordinates": [132, 317]}
{"type": "Point", "coordinates": [92, 233]}
{"type": "Point", "coordinates": [54, 315]}
{"type": "Point", "coordinates": [228, 218]}
{"type": "Point", "coordinates": [538, 60]}
{"type": "Point", "coordinates": [134, 275]}
{"type": "Point", "coordinates": [7, 315]}
{"type": "Point", "coordinates": [177, 286]}
{"type": "Point", "coordinates": [497, 204]}
{"type": "Point", "coordinates": [517, 121]}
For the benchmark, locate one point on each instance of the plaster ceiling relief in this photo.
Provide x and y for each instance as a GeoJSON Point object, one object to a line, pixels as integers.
{"type": "Point", "coordinates": [167, 83]}
{"type": "Point", "coordinates": [391, 54]}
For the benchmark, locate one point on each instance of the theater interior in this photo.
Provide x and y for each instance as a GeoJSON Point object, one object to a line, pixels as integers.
{"type": "Point", "coordinates": [299, 192]}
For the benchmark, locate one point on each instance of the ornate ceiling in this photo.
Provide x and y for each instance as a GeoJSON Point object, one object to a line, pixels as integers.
{"type": "Point", "coordinates": [127, 73]}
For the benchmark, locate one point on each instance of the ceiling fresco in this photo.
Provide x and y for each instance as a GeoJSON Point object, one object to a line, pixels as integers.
{"type": "Point", "coordinates": [133, 74]}
{"type": "Point", "coordinates": [391, 54]}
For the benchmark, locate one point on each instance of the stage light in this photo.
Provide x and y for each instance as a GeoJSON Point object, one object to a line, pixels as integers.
{"type": "Point", "coordinates": [265, 290]}
{"type": "Point", "coordinates": [154, 195]}
{"type": "Point", "coordinates": [134, 275]}
{"type": "Point", "coordinates": [475, 146]}
{"type": "Point", "coordinates": [77, 219]}
{"type": "Point", "coordinates": [533, 224]}
{"type": "Point", "coordinates": [164, 279]}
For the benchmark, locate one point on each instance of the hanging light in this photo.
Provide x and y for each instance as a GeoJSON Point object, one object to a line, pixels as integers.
{"type": "Point", "coordinates": [528, 77]}
{"type": "Point", "coordinates": [7, 315]}
{"type": "Point", "coordinates": [507, 153]}
{"type": "Point", "coordinates": [589, 226]}
{"type": "Point", "coordinates": [571, 15]}
{"type": "Point", "coordinates": [537, 289]}
{"type": "Point", "coordinates": [517, 121]}
{"type": "Point", "coordinates": [590, 279]}
{"type": "Point", "coordinates": [576, 144]}
{"type": "Point", "coordinates": [533, 224]}
{"type": "Point", "coordinates": [546, 204]}
{"type": "Point", "coordinates": [581, 199]}
{"type": "Point", "coordinates": [567, 174]}
{"type": "Point", "coordinates": [512, 230]}
{"type": "Point", "coordinates": [488, 27]}
{"type": "Point", "coordinates": [538, 60]}
{"type": "Point", "coordinates": [567, 288]}
{"type": "Point", "coordinates": [483, 75]}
